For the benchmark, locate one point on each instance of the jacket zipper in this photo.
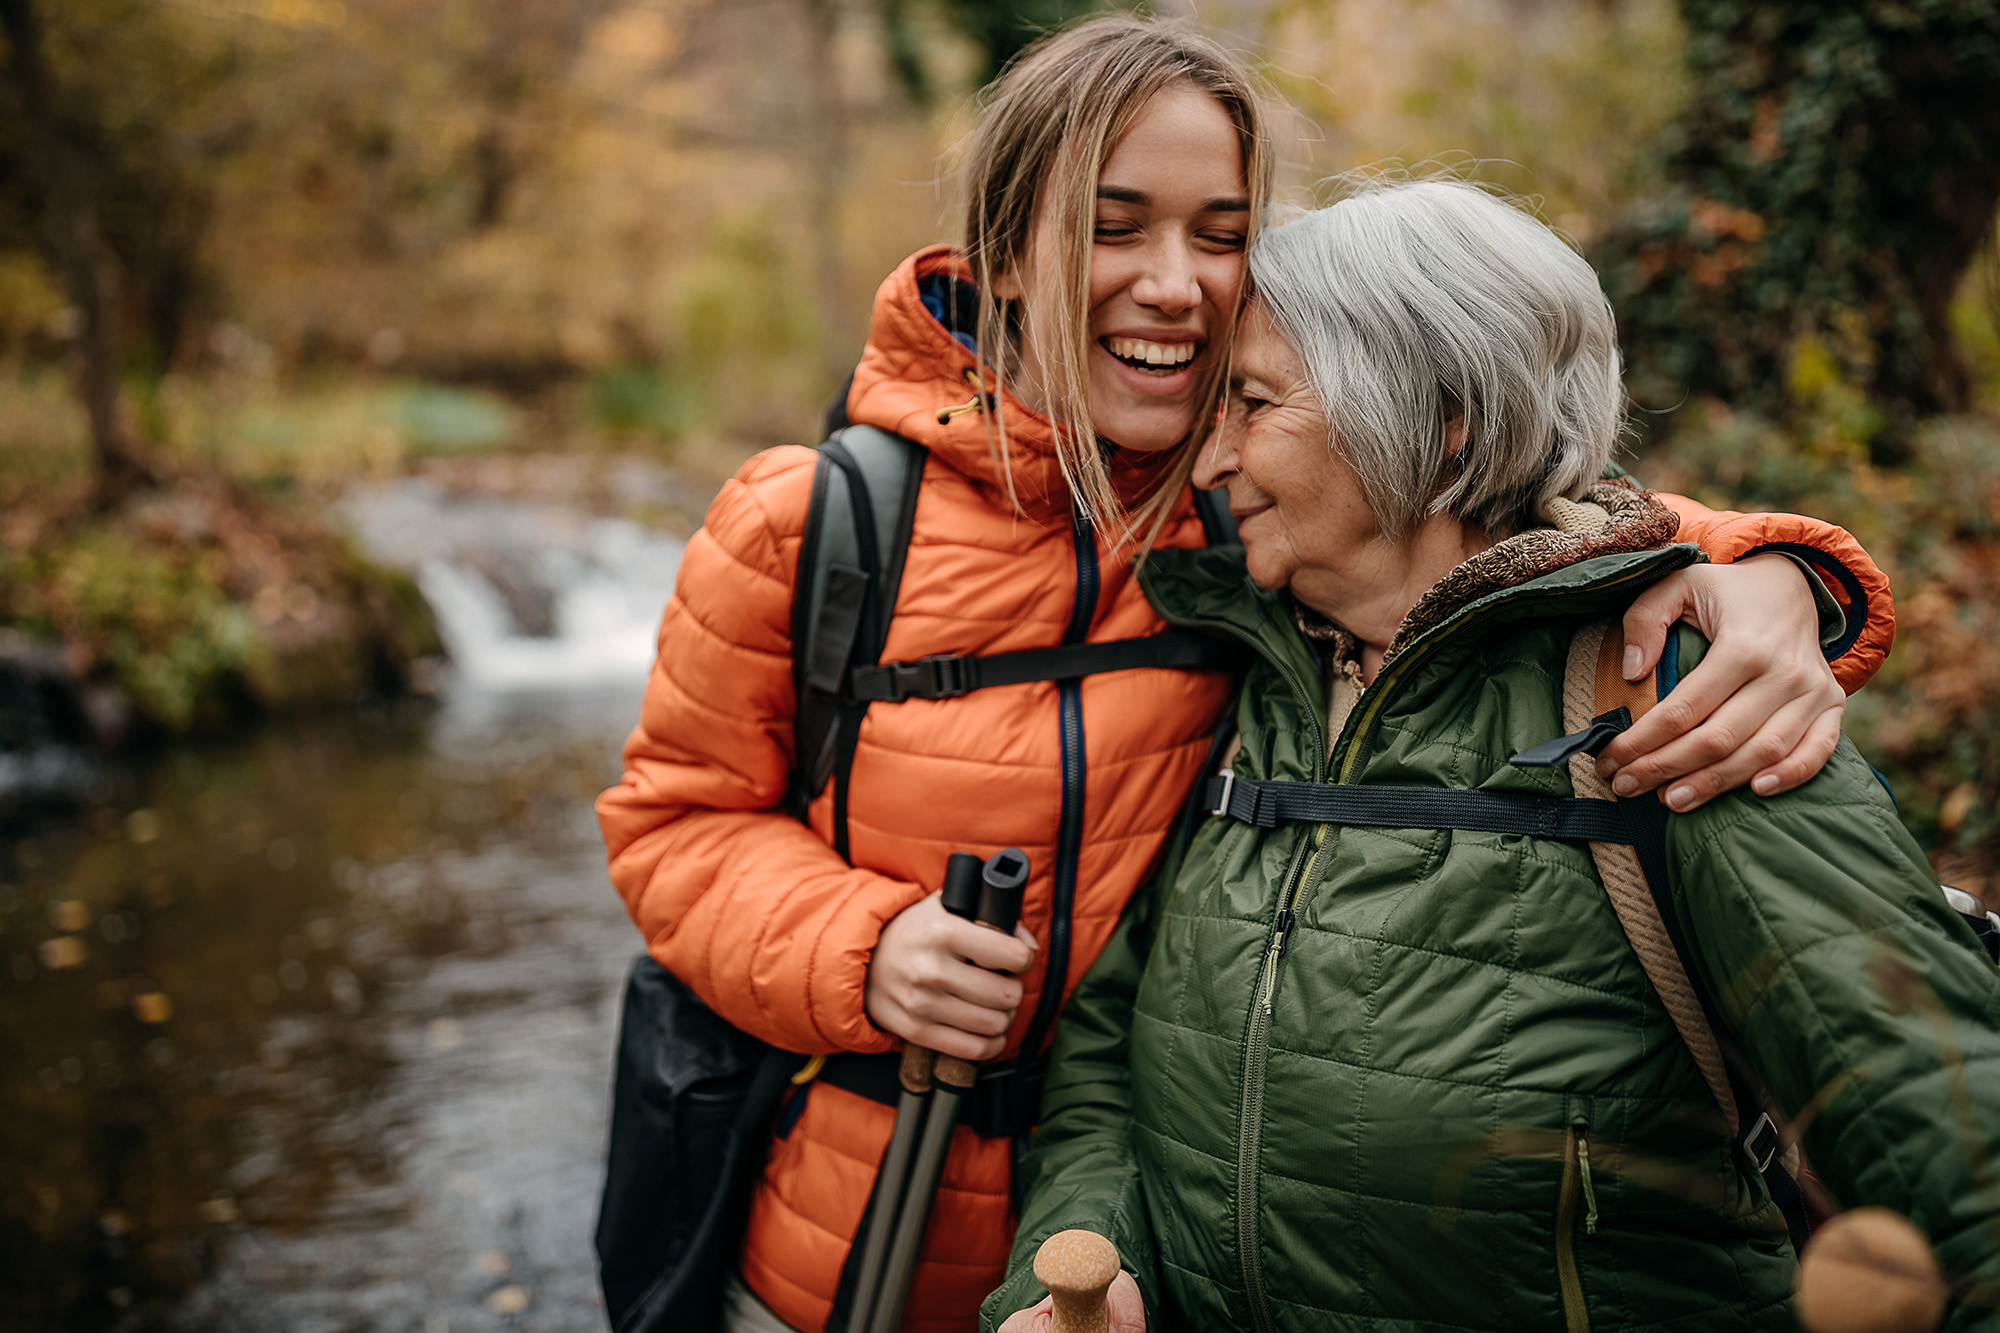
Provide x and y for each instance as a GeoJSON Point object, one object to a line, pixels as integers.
{"type": "Point", "coordinates": [1308, 860]}
{"type": "Point", "coordinates": [1297, 893]}
{"type": "Point", "coordinates": [1250, 1116]}
{"type": "Point", "coordinates": [1576, 1190]}
{"type": "Point", "coordinates": [1069, 826]}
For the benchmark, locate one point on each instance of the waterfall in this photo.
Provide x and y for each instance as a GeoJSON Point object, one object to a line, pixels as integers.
{"type": "Point", "coordinates": [528, 596]}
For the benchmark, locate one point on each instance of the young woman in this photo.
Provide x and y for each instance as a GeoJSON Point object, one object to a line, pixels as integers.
{"type": "Point", "coordinates": [1111, 189]}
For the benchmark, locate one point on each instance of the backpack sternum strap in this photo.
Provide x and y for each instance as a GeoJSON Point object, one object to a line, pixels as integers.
{"type": "Point", "coordinates": [1558, 818]}
{"type": "Point", "coordinates": [949, 675]}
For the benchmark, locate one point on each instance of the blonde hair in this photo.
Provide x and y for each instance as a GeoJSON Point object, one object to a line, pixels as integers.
{"type": "Point", "coordinates": [1050, 120]}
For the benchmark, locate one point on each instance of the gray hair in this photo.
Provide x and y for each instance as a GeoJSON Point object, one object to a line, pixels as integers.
{"type": "Point", "coordinates": [1415, 303]}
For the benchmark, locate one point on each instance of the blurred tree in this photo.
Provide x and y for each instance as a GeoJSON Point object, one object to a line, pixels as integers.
{"type": "Point", "coordinates": [78, 186]}
{"type": "Point", "coordinates": [1835, 174]}
{"type": "Point", "coordinates": [1000, 28]}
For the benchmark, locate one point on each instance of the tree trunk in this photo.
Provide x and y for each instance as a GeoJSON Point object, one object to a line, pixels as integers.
{"type": "Point", "coordinates": [1836, 174]}
{"type": "Point", "coordinates": [74, 241]}
{"type": "Point", "coordinates": [827, 143]}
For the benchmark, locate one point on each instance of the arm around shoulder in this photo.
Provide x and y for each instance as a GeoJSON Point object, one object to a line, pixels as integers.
{"type": "Point", "coordinates": [743, 903]}
{"type": "Point", "coordinates": [1853, 579]}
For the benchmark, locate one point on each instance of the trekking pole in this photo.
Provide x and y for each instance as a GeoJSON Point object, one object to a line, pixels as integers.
{"type": "Point", "coordinates": [960, 894]}
{"type": "Point", "coordinates": [1869, 1271]}
{"type": "Point", "coordinates": [1000, 883]}
{"type": "Point", "coordinates": [1077, 1267]}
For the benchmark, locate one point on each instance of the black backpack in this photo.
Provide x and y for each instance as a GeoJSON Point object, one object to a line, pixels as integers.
{"type": "Point", "coordinates": [694, 1098]}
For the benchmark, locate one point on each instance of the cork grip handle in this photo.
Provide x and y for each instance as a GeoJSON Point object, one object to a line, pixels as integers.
{"type": "Point", "coordinates": [919, 1065]}
{"type": "Point", "coordinates": [1869, 1271]}
{"type": "Point", "coordinates": [1077, 1267]}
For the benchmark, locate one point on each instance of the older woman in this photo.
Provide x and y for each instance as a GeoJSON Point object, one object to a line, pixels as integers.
{"type": "Point", "coordinates": [1335, 1075]}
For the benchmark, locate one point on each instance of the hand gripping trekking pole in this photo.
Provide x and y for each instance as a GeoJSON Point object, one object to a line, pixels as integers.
{"type": "Point", "coordinates": [998, 906]}
{"type": "Point", "coordinates": [1077, 1267]}
{"type": "Point", "coordinates": [960, 894]}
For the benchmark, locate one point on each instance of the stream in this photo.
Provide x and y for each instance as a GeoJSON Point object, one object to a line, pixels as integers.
{"type": "Point", "coordinates": [311, 1029]}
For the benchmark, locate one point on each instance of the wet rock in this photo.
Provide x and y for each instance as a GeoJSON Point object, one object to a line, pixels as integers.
{"type": "Point", "coordinates": [49, 725]}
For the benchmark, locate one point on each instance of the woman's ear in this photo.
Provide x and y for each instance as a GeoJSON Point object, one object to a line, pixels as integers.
{"type": "Point", "coordinates": [1006, 286]}
{"type": "Point", "coordinates": [1455, 432]}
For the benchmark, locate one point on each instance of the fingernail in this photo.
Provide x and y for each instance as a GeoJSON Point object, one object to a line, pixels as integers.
{"type": "Point", "coordinates": [1632, 660]}
{"type": "Point", "coordinates": [1626, 785]}
{"type": "Point", "coordinates": [1607, 767]}
{"type": "Point", "coordinates": [1766, 785]}
{"type": "Point", "coordinates": [1680, 798]}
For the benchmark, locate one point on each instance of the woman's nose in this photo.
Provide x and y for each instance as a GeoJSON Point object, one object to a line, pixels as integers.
{"type": "Point", "coordinates": [1169, 283]}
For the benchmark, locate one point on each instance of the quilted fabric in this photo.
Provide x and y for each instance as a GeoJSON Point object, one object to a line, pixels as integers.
{"type": "Point", "coordinates": [1454, 1006]}
{"type": "Point", "coordinates": [756, 913]}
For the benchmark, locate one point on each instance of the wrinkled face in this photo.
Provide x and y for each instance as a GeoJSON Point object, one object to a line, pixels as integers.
{"type": "Point", "coordinates": [1298, 504]}
{"type": "Point", "coordinates": [1166, 268]}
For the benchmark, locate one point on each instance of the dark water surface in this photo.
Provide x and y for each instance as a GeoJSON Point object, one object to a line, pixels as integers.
{"type": "Point", "coordinates": [312, 1030]}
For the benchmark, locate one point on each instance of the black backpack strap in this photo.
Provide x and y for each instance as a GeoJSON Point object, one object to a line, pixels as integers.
{"type": "Point", "coordinates": [851, 559]}
{"type": "Point", "coordinates": [948, 675]}
{"type": "Point", "coordinates": [1561, 818]}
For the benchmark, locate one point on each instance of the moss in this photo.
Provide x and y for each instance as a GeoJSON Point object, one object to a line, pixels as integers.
{"type": "Point", "coordinates": [199, 604]}
{"type": "Point", "coordinates": [135, 613]}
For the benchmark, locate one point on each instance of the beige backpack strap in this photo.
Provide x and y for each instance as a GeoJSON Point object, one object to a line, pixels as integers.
{"type": "Point", "coordinates": [1593, 684]}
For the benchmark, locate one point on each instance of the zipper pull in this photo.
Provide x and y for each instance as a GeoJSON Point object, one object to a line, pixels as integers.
{"type": "Point", "coordinates": [1274, 953]}
{"type": "Point", "coordinates": [1589, 1190]}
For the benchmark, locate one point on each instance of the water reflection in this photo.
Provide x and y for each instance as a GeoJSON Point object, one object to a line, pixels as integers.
{"type": "Point", "coordinates": [311, 1030]}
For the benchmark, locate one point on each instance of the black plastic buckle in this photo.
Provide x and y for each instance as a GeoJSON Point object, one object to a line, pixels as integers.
{"type": "Point", "coordinates": [941, 676]}
{"type": "Point", "coordinates": [1761, 1145]}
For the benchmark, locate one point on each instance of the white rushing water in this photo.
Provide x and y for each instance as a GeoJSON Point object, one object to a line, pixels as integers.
{"type": "Point", "coordinates": [528, 596]}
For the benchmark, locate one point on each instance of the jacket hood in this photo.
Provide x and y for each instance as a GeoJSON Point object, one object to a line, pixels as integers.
{"type": "Point", "coordinates": [915, 368]}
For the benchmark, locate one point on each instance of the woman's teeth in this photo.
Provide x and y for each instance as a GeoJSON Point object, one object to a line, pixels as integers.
{"type": "Point", "coordinates": [1162, 358]}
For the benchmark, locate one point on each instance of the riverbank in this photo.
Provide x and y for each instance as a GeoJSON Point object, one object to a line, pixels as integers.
{"type": "Point", "coordinates": [235, 590]}
{"type": "Point", "coordinates": [196, 603]}
{"type": "Point", "coordinates": [309, 1025]}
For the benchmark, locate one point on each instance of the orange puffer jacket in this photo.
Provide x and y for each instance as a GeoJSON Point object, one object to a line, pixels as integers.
{"type": "Point", "coordinates": [756, 912]}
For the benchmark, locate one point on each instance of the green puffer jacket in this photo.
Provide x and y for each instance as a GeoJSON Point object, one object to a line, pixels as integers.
{"type": "Point", "coordinates": [1452, 1100]}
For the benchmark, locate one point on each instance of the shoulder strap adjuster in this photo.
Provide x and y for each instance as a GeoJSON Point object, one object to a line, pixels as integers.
{"type": "Point", "coordinates": [1760, 1147]}
{"type": "Point", "coordinates": [1227, 777]}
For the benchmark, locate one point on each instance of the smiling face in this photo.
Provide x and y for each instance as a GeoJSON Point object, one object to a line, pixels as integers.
{"type": "Point", "coordinates": [1299, 506]}
{"type": "Point", "coordinates": [1166, 270]}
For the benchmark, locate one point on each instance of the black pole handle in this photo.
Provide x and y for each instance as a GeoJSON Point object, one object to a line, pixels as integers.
{"type": "Point", "coordinates": [1001, 881]}
{"type": "Point", "coordinates": [961, 885]}
{"type": "Point", "coordinates": [988, 892]}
